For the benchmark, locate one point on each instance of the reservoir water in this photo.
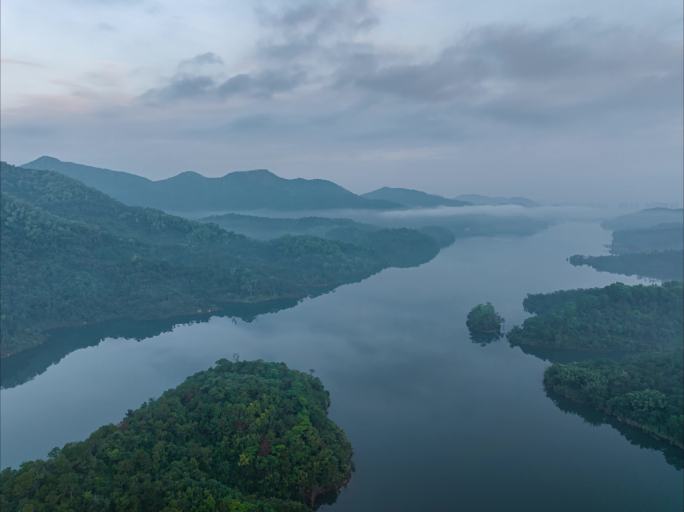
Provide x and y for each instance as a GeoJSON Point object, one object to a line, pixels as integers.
{"type": "Point", "coordinates": [438, 423]}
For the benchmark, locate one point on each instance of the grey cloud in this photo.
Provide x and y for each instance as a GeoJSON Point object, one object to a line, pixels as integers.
{"type": "Point", "coordinates": [303, 28]}
{"type": "Point", "coordinates": [537, 73]}
{"type": "Point", "coordinates": [202, 59]}
{"type": "Point", "coordinates": [263, 84]}
{"type": "Point", "coordinates": [259, 85]}
{"type": "Point", "coordinates": [179, 88]}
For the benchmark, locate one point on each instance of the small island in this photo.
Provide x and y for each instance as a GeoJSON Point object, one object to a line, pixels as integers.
{"type": "Point", "coordinates": [484, 323]}
{"type": "Point", "coordinates": [239, 436]}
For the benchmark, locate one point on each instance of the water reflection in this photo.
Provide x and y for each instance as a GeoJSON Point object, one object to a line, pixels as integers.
{"type": "Point", "coordinates": [23, 367]}
{"type": "Point", "coordinates": [673, 455]}
{"type": "Point", "coordinates": [485, 338]}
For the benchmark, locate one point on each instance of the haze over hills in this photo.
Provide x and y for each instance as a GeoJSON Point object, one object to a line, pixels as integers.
{"type": "Point", "coordinates": [648, 218]}
{"type": "Point", "coordinates": [647, 243]}
{"type": "Point", "coordinates": [480, 200]}
{"type": "Point", "coordinates": [412, 198]}
{"type": "Point", "coordinates": [252, 190]}
{"type": "Point", "coordinates": [189, 191]}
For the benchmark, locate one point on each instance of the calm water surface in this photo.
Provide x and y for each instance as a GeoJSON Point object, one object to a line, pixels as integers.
{"type": "Point", "coordinates": [437, 422]}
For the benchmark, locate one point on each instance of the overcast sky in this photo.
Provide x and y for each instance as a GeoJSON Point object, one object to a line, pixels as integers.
{"type": "Point", "coordinates": [559, 100]}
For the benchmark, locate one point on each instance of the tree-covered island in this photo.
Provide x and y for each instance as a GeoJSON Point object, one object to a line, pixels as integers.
{"type": "Point", "coordinates": [239, 437]}
{"type": "Point", "coordinates": [484, 323]}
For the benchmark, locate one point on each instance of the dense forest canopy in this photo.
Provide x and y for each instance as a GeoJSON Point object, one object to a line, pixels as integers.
{"type": "Point", "coordinates": [644, 391]}
{"type": "Point", "coordinates": [241, 436]}
{"type": "Point", "coordinates": [615, 318]}
{"type": "Point", "coordinates": [73, 256]}
{"type": "Point", "coordinates": [484, 323]}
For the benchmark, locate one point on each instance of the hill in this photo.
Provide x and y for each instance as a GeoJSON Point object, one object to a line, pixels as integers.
{"type": "Point", "coordinates": [347, 230]}
{"type": "Point", "coordinates": [480, 200]}
{"type": "Point", "coordinates": [192, 192]}
{"type": "Point", "coordinates": [643, 246]}
{"type": "Point", "coordinates": [73, 256]}
{"type": "Point", "coordinates": [240, 436]}
{"type": "Point", "coordinates": [412, 198]}
{"type": "Point", "coordinates": [645, 219]}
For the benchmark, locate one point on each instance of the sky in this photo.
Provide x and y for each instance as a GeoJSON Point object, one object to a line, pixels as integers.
{"type": "Point", "coordinates": [564, 101]}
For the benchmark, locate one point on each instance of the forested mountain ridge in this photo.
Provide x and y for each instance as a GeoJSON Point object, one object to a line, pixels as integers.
{"type": "Point", "coordinates": [190, 191]}
{"type": "Point", "coordinates": [73, 256]}
{"type": "Point", "coordinates": [242, 436]}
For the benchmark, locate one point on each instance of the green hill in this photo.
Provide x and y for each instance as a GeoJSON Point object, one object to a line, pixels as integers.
{"type": "Point", "coordinates": [73, 256]}
{"type": "Point", "coordinates": [242, 436]}
{"type": "Point", "coordinates": [192, 192]}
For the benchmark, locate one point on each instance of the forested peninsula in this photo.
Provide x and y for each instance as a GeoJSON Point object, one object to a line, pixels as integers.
{"type": "Point", "coordinates": [643, 389]}
{"type": "Point", "coordinates": [71, 255]}
{"type": "Point", "coordinates": [614, 318]}
{"type": "Point", "coordinates": [241, 436]}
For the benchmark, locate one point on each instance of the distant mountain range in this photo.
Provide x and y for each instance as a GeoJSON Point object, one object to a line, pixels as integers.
{"type": "Point", "coordinates": [192, 192]}
{"type": "Point", "coordinates": [250, 191]}
{"type": "Point", "coordinates": [412, 198]}
{"type": "Point", "coordinates": [644, 219]}
{"type": "Point", "coordinates": [478, 200]}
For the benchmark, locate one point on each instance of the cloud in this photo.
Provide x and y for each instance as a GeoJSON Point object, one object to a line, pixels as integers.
{"type": "Point", "coordinates": [199, 61]}
{"type": "Point", "coordinates": [325, 87]}
{"type": "Point", "coordinates": [501, 69]}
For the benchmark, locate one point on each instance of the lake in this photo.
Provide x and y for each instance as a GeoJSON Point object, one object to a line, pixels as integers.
{"type": "Point", "coordinates": [437, 422]}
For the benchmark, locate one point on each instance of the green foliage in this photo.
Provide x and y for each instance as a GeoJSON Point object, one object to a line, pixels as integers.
{"type": "Point", "coordinates": [484, 323]}
{"type": "Point", "coordinates": [72, 256]}
{"type": "Point", "coordinates": [645, 391]}
{"type": "Point", "coordinates": [244, 436]}
{"type": "Point", "coordinates": [614, 318]}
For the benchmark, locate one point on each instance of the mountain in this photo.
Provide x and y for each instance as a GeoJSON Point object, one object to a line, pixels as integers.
{"type": "Point", "coordinates": [72, 256]}
{"type": "Point", "coordinates": [480, 200]}
{"type": "Point", "coordinates": [192, 192]}
{"type": "Point", "coordinates": [412, 198]}
{"type": "Point", "coordinates": [644, 219]}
